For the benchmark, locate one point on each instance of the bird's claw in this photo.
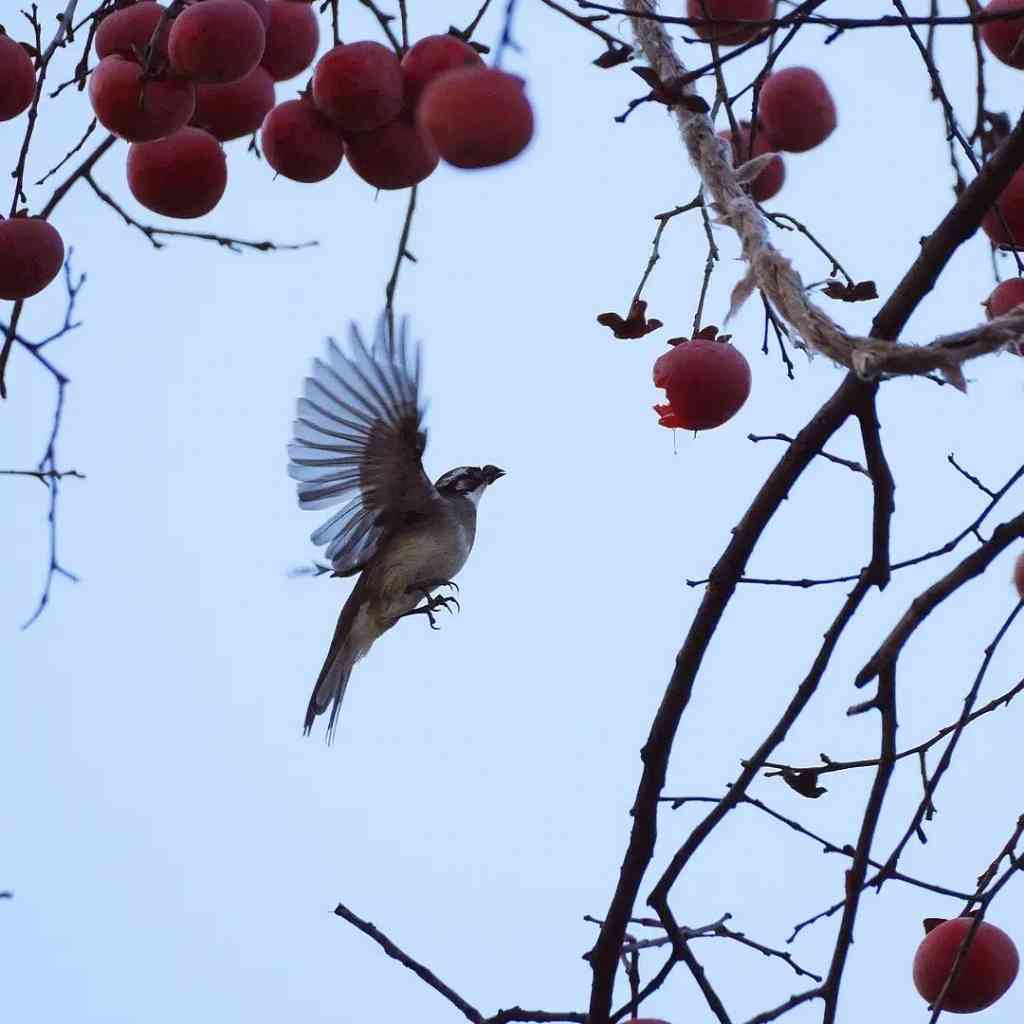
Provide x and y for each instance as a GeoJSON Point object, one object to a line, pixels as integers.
{"type": "Point", "coordinates": [423, 609]}
{"type": "Point", "coordinates": [431, 605]}
{"type": "Point", "coordinates": [435, 601]}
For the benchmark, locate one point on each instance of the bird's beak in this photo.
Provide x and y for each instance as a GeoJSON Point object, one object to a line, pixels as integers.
{"type": "Point", "coordinates": [492, 473]}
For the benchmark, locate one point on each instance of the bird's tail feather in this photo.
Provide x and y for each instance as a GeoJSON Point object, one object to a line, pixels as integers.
{"type": "Point", "coordinates": [346, 649]}
{"type": "Point", "coordinates": [330, 689]}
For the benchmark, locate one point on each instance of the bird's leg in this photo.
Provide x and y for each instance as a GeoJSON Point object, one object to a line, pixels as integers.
{"type": "Point", "coordinates": [424, 609]}
{"type": "Point", "coordinates": [433, 601]}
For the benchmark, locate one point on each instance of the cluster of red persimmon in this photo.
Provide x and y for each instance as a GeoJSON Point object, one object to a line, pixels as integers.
{"type": "Point", "coordinates": [707, 381]}
{"type": "Point", "coordinates": [177, 84]}
{"type": "Point", "coordinates": [984, 972]}
{"type": "Point", "coordinates": [393, 118]}
{"type": "Point", "coordinates": [795, 111]}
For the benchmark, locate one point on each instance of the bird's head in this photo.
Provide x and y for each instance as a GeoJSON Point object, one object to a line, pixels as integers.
{"type": "Point", "coordinates": [468, 481]}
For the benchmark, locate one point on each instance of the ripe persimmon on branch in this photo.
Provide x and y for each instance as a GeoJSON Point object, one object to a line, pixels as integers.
{"type": "Point", "coordinates": [193, 86]}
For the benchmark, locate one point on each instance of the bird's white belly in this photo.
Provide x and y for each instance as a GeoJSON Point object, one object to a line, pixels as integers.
{"type": "Point", "coordinates": [412, 561]}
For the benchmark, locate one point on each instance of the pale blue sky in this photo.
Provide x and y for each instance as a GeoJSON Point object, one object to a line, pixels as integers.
{"type": "Point", "coordinates": [176, 846]}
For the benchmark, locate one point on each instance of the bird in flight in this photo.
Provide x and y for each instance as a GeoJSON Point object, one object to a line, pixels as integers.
{"type": "Point", "coordinates": [358, 442]}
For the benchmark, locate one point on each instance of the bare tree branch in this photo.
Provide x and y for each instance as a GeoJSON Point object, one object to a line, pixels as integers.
{"type": "Point", "coordinates": [424, 973]}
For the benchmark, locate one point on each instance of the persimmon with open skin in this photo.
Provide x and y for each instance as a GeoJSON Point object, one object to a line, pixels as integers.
{"type": "Point", "coordinates": [358, 85]}
{"type": "Point", "coordinates": [135, 108]}
{"type": "Point", "coordinates": [293, 36]}
{"type": "Point", "coordinates": [31, 255]}
{"type": "Point", "coordinates": [183, 175]}
{"type": "Point", "coordinates": [987, 969]}
{"type": "Point", "coordinates": [706, 381]}
{"type": "Point", "coordinates": [477, 117]}
{"type": "Point", "coordinates": [17, 79]}
{"type": "Point", "coordinates": [796, 109]}
{"type": "Point", "coordinates": [1005, 38]}
{"type": "Point", "coordinates": [433, 56]}
{"type": "Point", "coordinates": [300, 142]}
{"type": "Point", "coordinates": [740, 10]}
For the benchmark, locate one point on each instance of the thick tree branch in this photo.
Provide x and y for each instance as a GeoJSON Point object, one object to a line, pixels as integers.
{"type": "Point", "coordinates": [952, 231]}
{"type": "Point", "coordinates": [773, 274]}
{"type": "Point", "coordinates": [885, 701]}
{"type": "Point", "coordinates": [658, 748]}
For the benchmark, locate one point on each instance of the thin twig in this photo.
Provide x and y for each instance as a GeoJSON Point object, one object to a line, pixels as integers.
{"type": "Point", "coordinates": [47, 469]}
{"type": "Point", "coordinates": [59, 193]}
{"type": "Point", "coordinates": [153, 233]}
{"type": "Point", "coordinates": [973, 479]}
{"type": "Point", "coordinates": [662, 219]}
{"type": "Point", "coordinates": [70, 153]}
{"type": "Point", "coordinates": [467, 32]}
{"type": "Point", "coordinates": [423, 973]}
{"type": "Point", "coordinates": [846, 850]}
{"type": "Point", "coordinates": [64, 32]}
{"type": "Point", "coordinates": [44, 475]}
{"type": "Point", "coordinates": [616, 46]}
{"type": "Point", "coordinates": [401, 254]}
{"type": "Point", "coordinates": [384, 20]}
{"type": "Point", "coordinates": [829, 765]}
{"type": "Point", "coordinates": [506, 39]}
{"type": "Point", "coordinates": [788, 223]}
{"type": "Point", "coordinates": [848, 463]}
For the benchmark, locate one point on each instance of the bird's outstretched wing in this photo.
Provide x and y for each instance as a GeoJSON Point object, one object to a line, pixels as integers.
{"type": "Point", "coordinates": [358, 440]}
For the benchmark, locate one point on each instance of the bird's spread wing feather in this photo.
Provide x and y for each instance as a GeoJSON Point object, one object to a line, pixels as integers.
{"type": "Point", "coordinates": [359, 441]}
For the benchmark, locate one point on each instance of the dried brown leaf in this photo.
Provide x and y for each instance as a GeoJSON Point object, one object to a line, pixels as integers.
{"type": "Point", "coordinates": [614, 56]}
{"type": "Point", "coordinates": [635, 325]}
{"type": "Point", "coordinates": [861, 291]}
